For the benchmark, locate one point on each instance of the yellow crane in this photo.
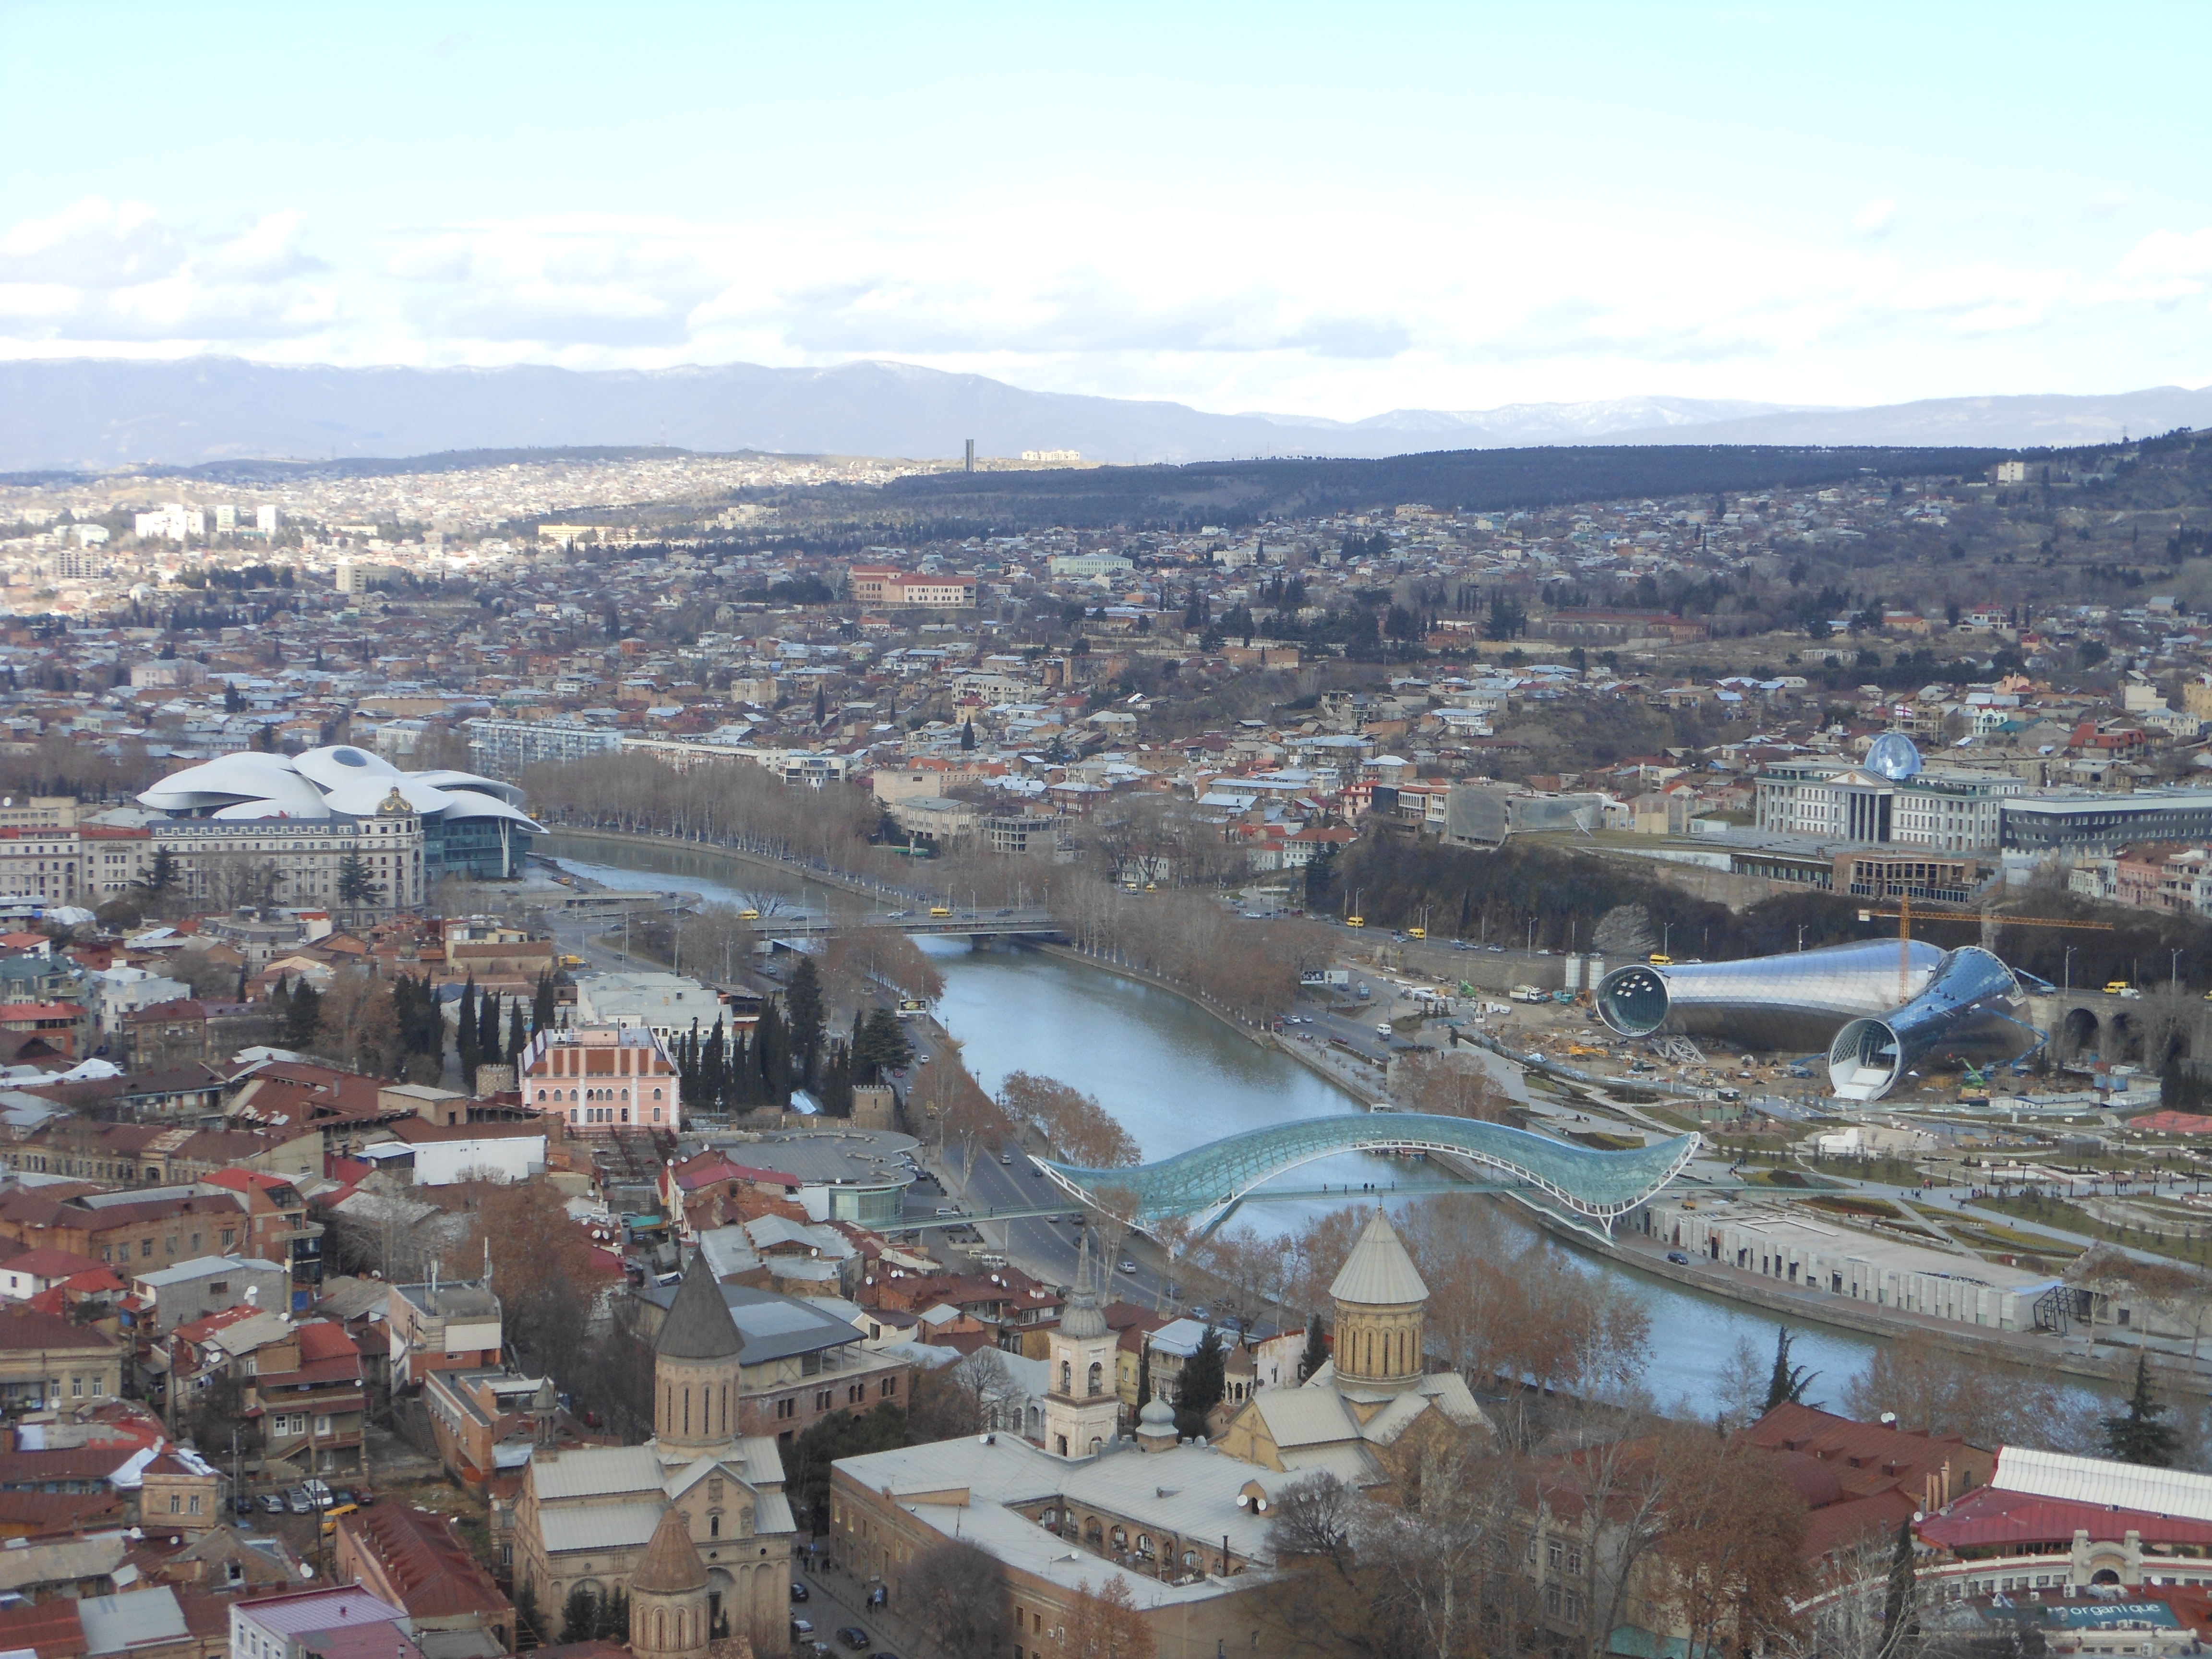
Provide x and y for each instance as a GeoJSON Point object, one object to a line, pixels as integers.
{"type": "Point", "coordinates": [1903, 912]}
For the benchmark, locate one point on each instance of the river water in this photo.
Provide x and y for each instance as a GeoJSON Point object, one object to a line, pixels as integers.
{"type": "Point", "coordinates": [1177, 1078]}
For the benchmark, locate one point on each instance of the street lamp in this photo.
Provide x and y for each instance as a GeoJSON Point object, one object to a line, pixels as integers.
{"type": "Point", "coordinates": [2070, 950]}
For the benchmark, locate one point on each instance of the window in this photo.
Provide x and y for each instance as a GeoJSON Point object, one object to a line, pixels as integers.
{"type": "Point", "coordinates": [890, 1387]}
{"type": "Point", "coordinates": [176, 1504]}
{"type": "Point", "coordinates": [787, 1406]}
{"type": "Point", "coordinates": [76, 1388]}
{"type": "Point", "coordinates": [824, 1398]}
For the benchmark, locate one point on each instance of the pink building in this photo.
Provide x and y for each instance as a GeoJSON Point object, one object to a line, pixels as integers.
{"type": "Point", "coordinates": [599, 1078]}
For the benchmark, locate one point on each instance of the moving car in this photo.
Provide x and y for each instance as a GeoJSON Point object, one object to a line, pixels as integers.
{"type": "Point", "coordinates": [798, 1591]}
{"type": "Point", "coordinates": [1678, 1258]}
{"type": "Point", "coordinates": [1128, 1266]}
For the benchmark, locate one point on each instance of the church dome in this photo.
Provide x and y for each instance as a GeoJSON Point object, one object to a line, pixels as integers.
{"type": "Point", "coordinates": [671, 1565]}
{"type": "Point", "coordinates": [1158, 1416]}
{"type": "Point", "coordinates": [698, 1325]}
{"type": "Point", "coordinates": [1378, 1273]}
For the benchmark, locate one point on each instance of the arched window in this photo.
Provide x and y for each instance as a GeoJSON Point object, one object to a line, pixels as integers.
{"type": "Point", "coordinates": [1367, 1366]}
{"type": "Point", "coordinates": [714, 1525]}
{"type": "Point", "coordinates": [660, 1630]}
{"type": "Point", "coordinates": [1066, 1378]}
{"type": "Point", "coordinates": [687, 1408]}
{"type": "Point", "coordinates": [1095, 1374]}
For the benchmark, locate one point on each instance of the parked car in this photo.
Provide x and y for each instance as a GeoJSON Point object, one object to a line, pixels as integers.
{"type": "Point", "coordinates": [801, 1628]}
{"type": "Point", "coordinates": [855, 1639]}
{"type": "Point", "coordinates": [273, 1503]}
{"type": "Point", "coordinates": [243, 1504]}
{"type": "Point", "coordinates": [1199, 1313]}
{"type": "Point", "coordinates": [1678, 1258]}
{"type": "Point", "coordinates": [798, 1591]}
{"type": "Point", "coordinates": [297, 1501]}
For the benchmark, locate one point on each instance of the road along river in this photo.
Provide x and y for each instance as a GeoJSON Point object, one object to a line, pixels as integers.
{"type": "Point", "coordinates": [1176, 1078]}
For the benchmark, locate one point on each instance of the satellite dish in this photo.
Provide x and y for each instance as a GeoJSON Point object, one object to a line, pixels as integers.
{"type": "Point", "coordinates": [1894, 756]}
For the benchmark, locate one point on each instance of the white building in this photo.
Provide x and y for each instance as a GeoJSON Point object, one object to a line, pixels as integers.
{"type": "Point", "coordinates": [667, 1004]}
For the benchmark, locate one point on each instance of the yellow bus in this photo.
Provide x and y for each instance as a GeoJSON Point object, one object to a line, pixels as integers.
{"type": "Point", "coordinates": [940, 910]}
{"type": "Point", "coordinates": [1416, 932]}
{"type": "Point", "coordinates": [1355, 921]}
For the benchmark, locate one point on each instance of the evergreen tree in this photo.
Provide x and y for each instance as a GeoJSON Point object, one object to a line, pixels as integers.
{"type": "Point", "coordinates": [464, 1030]}
{"type": "Point", "coordinates": [968, 733]}
{"type": "Point", "coordinates": [710, 1065]}
{"type": "Point", "coordinates": [772, 1060]}
{"type": "Point", "coordinates": [2140, 1437]}
{"type": "Point", "coordinates": [542, 1003]}
{"type": "Point", "coordinates": [301, 1015]}
{"type": "Point", "coordinates": [880, 1046]}
{"type": "Point", "coordinates": [1900, 1629]}
{"type": "Point", "coordinates": [1316, 1353]}
{"type": "Point", "coordinates": [280, 1006]}
{"type": "Point", "coordinates": [821, 704]}
{"type": "Point", "coordinates": [1787, 1383]}
{"type": "Point", "coordinates": [579, 1616]}
{"type": "Point", "coordinates": [613, 1622]}
{"type": "Point", "coordinates": [1143, 1374]}
{"type": "Point", "coordinates": [1205, 1379]}
{"type": "Point", "coordinates": [686, 1063]}
{"type": "Point", "coordinates": [517, 1034]}
{"type": "Point", "coordinates": [837, 1082]}
{"type": "Point", "coordinates": [488, 1043]}
{"type": "Point", "coordinates": [802, 1007]}
{"type": "Point", "coordinates": [526, 1614]}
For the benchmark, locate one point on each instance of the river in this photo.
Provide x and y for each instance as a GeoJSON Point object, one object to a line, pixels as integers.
{"type": "Point", "coordinates": [1176, 1078]}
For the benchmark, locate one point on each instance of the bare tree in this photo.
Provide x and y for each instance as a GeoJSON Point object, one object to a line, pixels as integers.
{"type": "Point", "coordinates": [956, 1592]}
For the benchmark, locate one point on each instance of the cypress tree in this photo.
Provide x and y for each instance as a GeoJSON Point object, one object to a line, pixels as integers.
{"type": "Point", "coordinates": [517, 1034]}
{"type": "Point", "coordinates": [1316, 1353]}
{"type": "Point", "coordinates": [1900, 1628]}
{"type": "Point", "coordinates": [488, 1043]}
{"type": "Point", "coordinates": [542, 1003]}
{"type": "Point", "coordinates": [465, 1031]}
{"type": "Point", "coordinates": [802, 1004]}
{"type": "Point", "coordinates": [710, 1067]}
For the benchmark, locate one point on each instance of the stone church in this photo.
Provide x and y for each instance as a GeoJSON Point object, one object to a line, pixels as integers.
{"type": "Point", "coordinates": [1374, 1405]}
{"type": "Point", "coordinates": [693, 1525]}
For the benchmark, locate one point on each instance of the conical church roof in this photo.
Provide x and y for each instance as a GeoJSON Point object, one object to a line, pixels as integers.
{"type": "Point", "coordinates": [671, 1565]}
{"type": "Point", "coordinates": [1378, 1273]}
{"type": "Point", "coordinates": [698, 1325]}
{"type": "Point", "coordinates": [1080, 1317]}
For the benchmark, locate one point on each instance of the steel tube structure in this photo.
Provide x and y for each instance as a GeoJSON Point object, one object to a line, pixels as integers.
{"type": "Point", "coordinates": [1600, 1185]}
{"type": "Point", "coordinates": [1782, 1005]}
{"type": "Point", "coordinates": [1973, 1011]}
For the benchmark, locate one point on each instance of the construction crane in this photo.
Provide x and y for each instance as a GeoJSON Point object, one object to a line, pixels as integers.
{"type": "Point", "coordinates": [1987, 918]}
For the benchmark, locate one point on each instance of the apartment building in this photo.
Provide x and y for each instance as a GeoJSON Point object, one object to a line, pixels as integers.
{"type": "Point", "coordinates": [501, 748]}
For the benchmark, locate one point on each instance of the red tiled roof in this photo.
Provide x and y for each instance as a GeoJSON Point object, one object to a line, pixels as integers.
{"type": "Point", "coordinates": [27, 1330]}
{"type": "Point", "coordinates": [424, 1562]}
{"type": "Point", "coordinates": [47, 1263]}
{"type": "Point", "coordinates": [51, 1629]}
{"type": "Point", "coordinates": [1992, 1518]}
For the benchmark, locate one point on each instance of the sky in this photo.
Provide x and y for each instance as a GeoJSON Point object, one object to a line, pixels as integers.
{"type": "Point", "coordinates": [1330, 211]}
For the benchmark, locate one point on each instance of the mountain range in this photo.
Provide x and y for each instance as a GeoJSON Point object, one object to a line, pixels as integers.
{"type": "Point", "coordinates": [97, 414]}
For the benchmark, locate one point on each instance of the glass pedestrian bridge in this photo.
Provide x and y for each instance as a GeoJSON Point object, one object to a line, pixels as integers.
{"type": "Point", "coordinates": [1598, 1186]}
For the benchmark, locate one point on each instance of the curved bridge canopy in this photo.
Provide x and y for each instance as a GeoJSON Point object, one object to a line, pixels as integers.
{"type": "Point", "coordinates": [1599, 1185]}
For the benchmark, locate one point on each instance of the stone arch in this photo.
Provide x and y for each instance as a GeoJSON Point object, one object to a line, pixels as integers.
{"type": "Point", "coordinates": [2123, 1034]}
{"type": "Point", "coordinates": [1097, 1372]}
{"type": "Point", "coordinates": [2078, 1032]}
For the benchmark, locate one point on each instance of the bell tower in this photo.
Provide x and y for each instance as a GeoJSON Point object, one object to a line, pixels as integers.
{"type": "Point", "coordinates": [1082, 1406]}
{"type": "Point", "coordinates": [696, 1370]}
{"type": "Point", "coordinates": [1379, 1296]}
{"type": "Point", "coordinates": [668, 1594]}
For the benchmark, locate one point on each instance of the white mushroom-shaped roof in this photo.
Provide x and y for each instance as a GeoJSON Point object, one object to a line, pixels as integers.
{"type": "Point", "coordinates": [339, 778]}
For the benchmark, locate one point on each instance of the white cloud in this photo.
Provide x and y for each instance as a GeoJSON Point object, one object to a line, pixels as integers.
{"type": "Point", "coordinates": [1877, 217]}
{"type": "Point", "coordinates": [1215, 310]}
